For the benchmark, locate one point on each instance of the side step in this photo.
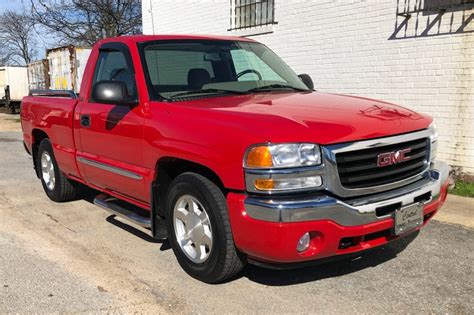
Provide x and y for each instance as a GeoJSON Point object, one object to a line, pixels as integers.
{"type": "Point", "coordinates": [123, 210]}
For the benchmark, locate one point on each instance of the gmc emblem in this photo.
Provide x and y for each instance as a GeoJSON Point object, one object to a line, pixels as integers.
{"type": "Point", "coordinates": [390, 158]}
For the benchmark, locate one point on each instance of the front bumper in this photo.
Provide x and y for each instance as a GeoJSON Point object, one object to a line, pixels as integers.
{"type": "Point", "coordinates": [268, 229]}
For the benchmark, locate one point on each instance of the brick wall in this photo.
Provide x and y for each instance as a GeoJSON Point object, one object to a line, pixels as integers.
{"type": "Point", "coordinates": [361, 47]}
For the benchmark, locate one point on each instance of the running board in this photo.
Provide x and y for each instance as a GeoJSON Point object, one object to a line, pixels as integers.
{"type": "Point", "coordinates": [123, 210]}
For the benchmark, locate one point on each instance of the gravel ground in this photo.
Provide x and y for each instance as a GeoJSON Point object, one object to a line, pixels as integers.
{"type": "Point", "coordinates": [74, 257]}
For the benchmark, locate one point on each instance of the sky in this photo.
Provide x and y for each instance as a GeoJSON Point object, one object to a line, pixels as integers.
{"type": "Point", "coordinates": [20, 5]}
{"type": "Point", "coordinates": [10, 4]}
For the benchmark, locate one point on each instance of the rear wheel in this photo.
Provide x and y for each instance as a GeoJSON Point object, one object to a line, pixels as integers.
{"type": "Point", "coordinates": [199, 229]}
{"type": "Point", "coordinates": [55, 184]}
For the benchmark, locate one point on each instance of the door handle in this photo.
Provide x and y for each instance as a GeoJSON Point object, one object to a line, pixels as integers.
{"type": "Point", "coordinates": [85, 121]}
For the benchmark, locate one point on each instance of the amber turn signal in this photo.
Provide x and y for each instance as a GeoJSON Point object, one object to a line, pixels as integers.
{"type": "Point", "coordinates": [259, 157]}
{"type": "Point", "coordinates": [265, 184]}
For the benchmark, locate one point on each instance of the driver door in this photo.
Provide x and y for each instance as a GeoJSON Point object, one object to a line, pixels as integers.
{"type": "Point", "coordinates": [111, 136]}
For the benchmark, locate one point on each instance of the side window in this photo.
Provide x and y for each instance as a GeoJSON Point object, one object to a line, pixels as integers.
{"type": "Point", "coordinates": [112, 66]}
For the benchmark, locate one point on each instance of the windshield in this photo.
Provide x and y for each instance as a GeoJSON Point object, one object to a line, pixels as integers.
{"type": "Point", "coordinates": [176, 69]}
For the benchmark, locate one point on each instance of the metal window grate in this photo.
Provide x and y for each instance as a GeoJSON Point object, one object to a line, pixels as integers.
{"type": "Point", "coordinates": [428, 7]}
{"type": "Point", "coordinates": [251, 13]}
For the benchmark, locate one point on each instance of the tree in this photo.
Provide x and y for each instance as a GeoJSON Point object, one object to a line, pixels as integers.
{"type": "Point", "coordinates": [17, 36]}
{"type": "Point", "coordinates": [84, 22]}
{"type": "Point", "coordinates": [5, 56]}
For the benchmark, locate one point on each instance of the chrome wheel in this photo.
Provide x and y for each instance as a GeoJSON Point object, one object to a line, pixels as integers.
{"type": "Point", "coordinates": [192, 229]}
{"type": "Point", "coordinates": [47, 170]}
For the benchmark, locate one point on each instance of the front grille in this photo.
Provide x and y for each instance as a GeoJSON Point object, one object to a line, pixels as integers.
{"type": "Point", "coordinates": [358, 169]}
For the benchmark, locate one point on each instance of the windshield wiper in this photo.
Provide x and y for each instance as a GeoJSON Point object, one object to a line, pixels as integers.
{"type": "Point", "coordinates": [271, 87]}
{"type": "Point", "coordinates": [203, 91]}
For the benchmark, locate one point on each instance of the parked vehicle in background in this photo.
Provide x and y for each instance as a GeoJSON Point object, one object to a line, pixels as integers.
{"type": "Point", "coordinates": [217, 144]}
{"type": "Point", "coordinates": [13, 86]}
{"type": "Point", "coordinates": [66, 67]}
{"type": "Point", "coordinates": [38, 75]}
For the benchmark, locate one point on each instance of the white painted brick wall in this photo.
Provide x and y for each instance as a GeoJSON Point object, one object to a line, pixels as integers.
{"type": "Point", "coordinates": [346, 46]}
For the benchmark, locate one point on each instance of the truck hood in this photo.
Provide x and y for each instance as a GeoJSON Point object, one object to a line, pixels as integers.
{"type": "Point", "coordinates": [311, 117]}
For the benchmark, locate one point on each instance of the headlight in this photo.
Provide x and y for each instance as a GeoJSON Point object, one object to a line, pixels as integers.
{"type": "Point", "coordinates": [283, 155]}
{"type": "Point", "coordinates": [277, 168]}
{"type": "Point", "coordinates": [434, 140]}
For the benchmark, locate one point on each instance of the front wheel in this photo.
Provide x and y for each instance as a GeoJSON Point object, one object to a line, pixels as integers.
{"type": "Point", "coordinates": [199, 229]}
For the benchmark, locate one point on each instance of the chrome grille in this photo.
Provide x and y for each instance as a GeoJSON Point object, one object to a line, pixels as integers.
{"type": "Point", "coordinates": [358, 169]}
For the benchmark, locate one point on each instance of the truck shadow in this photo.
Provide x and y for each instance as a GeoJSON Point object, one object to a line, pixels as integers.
{"type": "Point", "coordinates": [328, 270]}
{"type": "Point", "coordinates": [165, 245]}
{"type": "Point", "coordinates": [272, 277]}
{"type": "Point", "coordinates": [132, 230]}
{"type": "Point", "coordinates": [88, 194]}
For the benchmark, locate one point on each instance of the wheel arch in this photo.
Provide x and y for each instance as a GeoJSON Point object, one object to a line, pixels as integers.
{"type": "Point", "coordinates": [38, 135]}
{"type": "Point", "coordinates": [168, 168]}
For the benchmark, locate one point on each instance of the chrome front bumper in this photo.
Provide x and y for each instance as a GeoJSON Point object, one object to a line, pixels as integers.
{"type": "Point", "coordinates": [356, 211]}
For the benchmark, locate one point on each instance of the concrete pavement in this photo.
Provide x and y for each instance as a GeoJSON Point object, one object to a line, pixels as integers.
{"type": "Point", "coordinates": [459, 210]}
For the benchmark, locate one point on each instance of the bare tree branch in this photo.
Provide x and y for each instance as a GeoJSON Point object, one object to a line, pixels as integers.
{"type": "Point", "coordinates": [84, 22]}
{"type": "Point", "coordinates": [17, 37]}
{"type": "Point", "coordinates": [5, 56]}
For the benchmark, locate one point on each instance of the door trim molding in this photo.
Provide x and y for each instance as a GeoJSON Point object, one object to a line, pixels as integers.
{"type": "Point", "coordinates": [110, 168]}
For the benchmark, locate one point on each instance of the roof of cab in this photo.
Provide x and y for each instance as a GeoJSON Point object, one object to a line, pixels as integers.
{"type": "Point", "coordinates": [145, 38]}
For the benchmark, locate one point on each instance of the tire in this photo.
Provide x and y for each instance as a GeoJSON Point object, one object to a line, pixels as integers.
{"type": "Point", "coordinates": [58, 187]}
{"type": "Point", "coordinates": [222, 260]}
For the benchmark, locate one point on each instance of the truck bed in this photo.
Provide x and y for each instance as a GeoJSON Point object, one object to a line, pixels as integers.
{"type": "Point", "coordinates": [52, 116]}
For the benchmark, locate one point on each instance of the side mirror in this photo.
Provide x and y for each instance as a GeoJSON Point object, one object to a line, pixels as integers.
{"type": "Point", "coordinates": [112, 92]}
{"type": "Point", "coordinates": [306, 78]}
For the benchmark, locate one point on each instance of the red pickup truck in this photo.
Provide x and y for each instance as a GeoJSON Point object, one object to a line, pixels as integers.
{"type": "Point", "coordinates": [215, 143]}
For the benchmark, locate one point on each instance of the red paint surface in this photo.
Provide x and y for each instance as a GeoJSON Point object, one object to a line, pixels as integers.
{"type": "Point", "coordinates": [214, 132]}
{"type": "Point", "coordinates": [276, 242]}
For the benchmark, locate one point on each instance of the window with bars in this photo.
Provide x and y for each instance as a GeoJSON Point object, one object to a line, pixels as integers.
{"type": "Point", "coordinates": [251, 13]}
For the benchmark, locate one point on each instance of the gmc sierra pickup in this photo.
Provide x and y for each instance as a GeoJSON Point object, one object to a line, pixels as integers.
{"type": "Point", "coordinates": [215, 143]}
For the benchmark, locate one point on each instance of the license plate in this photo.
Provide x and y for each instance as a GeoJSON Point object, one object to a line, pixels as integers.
{"type": "Point", "coordinates": [408, 218]}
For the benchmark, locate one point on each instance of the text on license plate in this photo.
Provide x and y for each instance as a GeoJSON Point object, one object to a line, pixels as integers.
{"type": "Point", "coordinates": [408, 218]}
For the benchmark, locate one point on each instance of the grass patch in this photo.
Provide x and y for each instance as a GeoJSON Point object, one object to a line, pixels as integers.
{"type": "Point", "coordinates": [463, 189]}
{"type": "Point", "coordinates": [14, 119]}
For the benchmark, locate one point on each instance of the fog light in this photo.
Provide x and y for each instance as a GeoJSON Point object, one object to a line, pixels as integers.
{"type": "Point", "coordinates": [303, 243]}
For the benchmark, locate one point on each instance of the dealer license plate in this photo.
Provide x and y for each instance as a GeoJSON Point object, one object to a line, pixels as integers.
{"type": "Point", "coordinates": [408, 218]}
